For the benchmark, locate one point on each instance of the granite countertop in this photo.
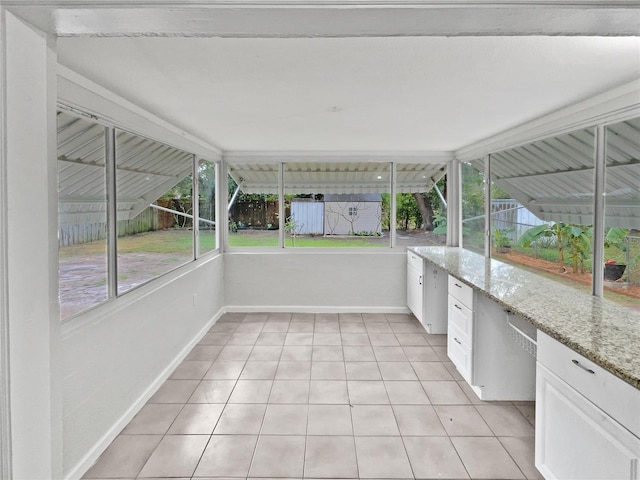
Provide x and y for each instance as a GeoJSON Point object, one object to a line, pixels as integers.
{"type": "Point", "coordinates": [601, 330]}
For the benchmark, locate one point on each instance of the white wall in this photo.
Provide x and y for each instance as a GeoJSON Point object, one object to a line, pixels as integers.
{"type": "Point", "coordinates": [75, 385]}
{"type": "Point", "coordinates": [306, 280]}
{"type": "Point", "coordinates": [117, 355]}
{"type": "Point", "coordinates": [29, 155]}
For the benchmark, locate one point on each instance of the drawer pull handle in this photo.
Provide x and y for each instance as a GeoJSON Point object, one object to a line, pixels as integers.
{"type": "Point", "coordinates": [457, 341]}
{"type": "Point", "coordinates": [420, 280]}
{"type": "Point", "coordinates": [577, 363]}
{"type": "Point", "coordinates": [457, 285]}
{"type": "Point", "coordinates": [457, 306]}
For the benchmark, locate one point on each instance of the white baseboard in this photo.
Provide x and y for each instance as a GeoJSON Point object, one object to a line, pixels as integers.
{"type": "Point", "coordinates": [316, 309]}
{"type": "Point", "coordinates": [101, 445]}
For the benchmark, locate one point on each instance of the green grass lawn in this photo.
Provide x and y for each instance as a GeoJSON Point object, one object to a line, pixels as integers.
{"type": "Point", "coordinates": [179, 241]}
{"type": "Point", "coordinates": [173, 241]}
{"type": "Point", "coordinates": [241, 240]}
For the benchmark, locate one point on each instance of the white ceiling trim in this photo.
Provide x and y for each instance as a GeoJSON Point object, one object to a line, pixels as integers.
{"type": "Point", "coordinates": [613, 106]}
{"type": "Point", "coordinates": [291, 18]}
{"type": "Point", "coordinates": [80, 94]}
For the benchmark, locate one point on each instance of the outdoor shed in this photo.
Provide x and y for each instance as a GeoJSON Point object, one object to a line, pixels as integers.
{"type": "Point", "coordinates": [348, 214]}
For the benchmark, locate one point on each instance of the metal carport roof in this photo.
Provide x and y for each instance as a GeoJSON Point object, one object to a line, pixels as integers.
{"type": "Point", "coordinates": [145, 170]}
{"type": "Point", "coordinates": [336, 177]}
{"type": "Point", "coordinates": [554, 177]}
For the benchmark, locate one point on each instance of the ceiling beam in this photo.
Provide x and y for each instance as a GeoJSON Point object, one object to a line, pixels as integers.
{"type": "Point", "coordinates": [327, 18]}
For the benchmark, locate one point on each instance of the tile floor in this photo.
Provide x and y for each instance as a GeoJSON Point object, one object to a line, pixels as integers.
{"type": "Point", "coordinates": [321, 396]}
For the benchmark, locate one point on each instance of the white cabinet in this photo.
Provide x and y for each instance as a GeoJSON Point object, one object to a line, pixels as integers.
{"type": "Point", "coordinates": [427, 293]}
{"type": "Point", "coordinates": [415, 288]}
{"type": "Point", "coordinates": [480, 346]}
{"type": "Point", "coordinates": [587, 420]}
{"type": "Point", "coordinates": [460, 327]}
{"type": "Point", "coordinates": [435, 299]}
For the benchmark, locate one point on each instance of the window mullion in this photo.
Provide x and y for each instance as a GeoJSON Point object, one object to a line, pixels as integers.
{"type": "Point", "coordinates": [195, 207]}
{"type": "Point", "coordinates": [599, 186]}
{"type": "Point", "coordinates": [281, 219]}
{"type": "Point", "coordinates": [112, 212]}
{"type": "Point", "coordinates": [393, 206]}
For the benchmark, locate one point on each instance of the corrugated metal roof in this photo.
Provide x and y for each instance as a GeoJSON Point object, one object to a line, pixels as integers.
{"type": "Point", "coordinates": [336, 177]}
{"type": "Point", "coordinates": [353, 197]}
{"type": "Point", "coordinates": [145, 170]}
{"type": "Point", "coordinates": [554, 177]}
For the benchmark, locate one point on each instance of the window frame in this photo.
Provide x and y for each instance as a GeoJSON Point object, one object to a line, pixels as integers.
{"type": "Point", "coordinates": [110, 156]}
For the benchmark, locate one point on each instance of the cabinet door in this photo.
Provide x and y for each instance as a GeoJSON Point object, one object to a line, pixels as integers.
{"type": "Point", "coordinates": [435, 299]}
{"type": "Point", "coordinates": [414, 291]}
{"type": "Point", "coordinates": [577, 440]}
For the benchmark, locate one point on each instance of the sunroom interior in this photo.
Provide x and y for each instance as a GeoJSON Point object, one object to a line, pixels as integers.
{"type": "Point", "coordinates": [128, 102]}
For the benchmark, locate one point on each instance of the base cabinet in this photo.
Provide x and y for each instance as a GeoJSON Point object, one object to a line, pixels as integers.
{"type": "Point", "coordinates": [576, 438]}
{"type": "Point", "coordinates": [415, 285]}
{"type": "Point", "coordinates": [435, 299]}
{"type": "Point", "coordinates": [427, 293]}
{"type": "Point", "coordinates": [479, 345]}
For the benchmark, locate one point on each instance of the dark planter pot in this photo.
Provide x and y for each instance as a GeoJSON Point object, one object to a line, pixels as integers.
{"type": "Point", "coordinates": [504, 249]}
{"type": "Point", "coordinates": [613, 271]}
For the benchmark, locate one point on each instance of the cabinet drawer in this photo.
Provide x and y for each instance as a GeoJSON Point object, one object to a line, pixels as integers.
{"type": "Point", "coordinates": [459, 352]}
{"type": "Point", "coordinates": [461, 291]}
{"type": "Point", "coordinates": [415, 261]}
{"type": "Point", "coordinates": [609, 393]}
{"type": "Point", "coordinates": [462, 318]}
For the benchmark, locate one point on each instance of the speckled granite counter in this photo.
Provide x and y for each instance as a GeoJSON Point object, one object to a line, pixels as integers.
{"type": "Point", "coordinates": [603, 331]}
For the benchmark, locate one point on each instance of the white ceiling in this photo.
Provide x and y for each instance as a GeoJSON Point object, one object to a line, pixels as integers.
{"type": "Point", "coordinates": [352, 94]}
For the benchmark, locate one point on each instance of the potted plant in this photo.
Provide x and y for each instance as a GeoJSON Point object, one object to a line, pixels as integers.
{"type": "Point", "coordinates": [501, 240]}
{"type": "Point", "coordinates": [613, 271]}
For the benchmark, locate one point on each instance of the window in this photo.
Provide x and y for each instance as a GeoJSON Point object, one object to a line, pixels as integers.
{"type": "Point", "coordinates": [155, 206]}
{"type": "Point", "coordinates": [82, 215]}
{"type": "Point", "coordinates": [153, 215]}
{"type": "Point", "coordinates": [473, 201]}
{"type": "Point", "coordinates": [337, 204]}
{"type": "Point", "coordinates": [253, 205]}
{"type": "Point", "coordinates": [421, 214]}
{"type": "Point", "coordinates": [621, 272]}
{"type": "Point", "coordinates": [206, 206]}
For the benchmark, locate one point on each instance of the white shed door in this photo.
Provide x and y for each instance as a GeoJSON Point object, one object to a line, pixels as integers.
{"type": "Point", "coordinates": [309, 217]}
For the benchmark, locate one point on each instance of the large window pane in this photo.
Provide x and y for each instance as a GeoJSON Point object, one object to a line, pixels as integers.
{"type": "Point", "coordinates": [253, 205]}
{"type": "Point", "coordinates": [154, 187]}
{"type": "Point", "coordinates": [548, 217]}
{"type": "Point", "coordinates": [473, 200]}
{"type": "Point", "coordinates": [207, 206]}
{"type": "Point", "coordinates": [337, 204]}
{"type": "Point", "coordinates": [622, 213]}
{"type": "Point", "coordinates": [421, 215]}
{"type": "Point", "coordinates": [82, 215]}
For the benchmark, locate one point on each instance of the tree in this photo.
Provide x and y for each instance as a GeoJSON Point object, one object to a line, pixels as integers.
{"type": "Point", "coordinates": [407, 211]}
{"type": "Point", "coordinates": [576, 237]}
